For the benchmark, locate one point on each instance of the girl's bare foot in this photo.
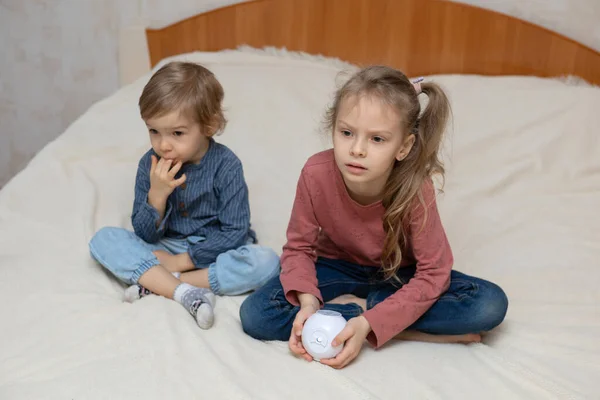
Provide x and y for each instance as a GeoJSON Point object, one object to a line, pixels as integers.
{"type": "Point", "coordinates": [349, 298]}
{"type": "Point", "coordinates": [426, 337]}
{"type": "Point", "coordinates": [412, 335]}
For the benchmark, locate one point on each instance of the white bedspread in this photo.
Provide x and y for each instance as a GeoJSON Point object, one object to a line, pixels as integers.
{"type": "Point", "coordinates": [520, 208]}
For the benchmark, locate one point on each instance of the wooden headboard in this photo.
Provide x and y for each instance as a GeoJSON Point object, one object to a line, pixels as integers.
{"type": "Point", "coordinates": [420, 37]}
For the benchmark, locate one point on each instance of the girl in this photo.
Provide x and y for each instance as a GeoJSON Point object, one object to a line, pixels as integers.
{"type": "Point", "coordinates": [365, 237]}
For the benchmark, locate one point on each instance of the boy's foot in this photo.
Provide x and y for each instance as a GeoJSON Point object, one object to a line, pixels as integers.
{"type": "Point", "coordinates": [203, 313]}
{"type": "Point", "coordinates": [198, 301]}
{"type": "Point", "coordinates": [136, 292]}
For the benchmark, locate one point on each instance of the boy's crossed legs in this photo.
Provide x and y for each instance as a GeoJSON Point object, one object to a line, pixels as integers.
{"type": "Point", "coordinates": [165, 269]}
{"type": "Point", "coordinates": [134, 261]}
{"type": "Point", "coordinates": [158, 280]}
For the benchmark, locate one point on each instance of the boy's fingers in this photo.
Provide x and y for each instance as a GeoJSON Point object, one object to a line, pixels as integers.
{"type": "Point", "coordinates": [179, 181]}
{"type": "Point", "coordinates": [175, 169]}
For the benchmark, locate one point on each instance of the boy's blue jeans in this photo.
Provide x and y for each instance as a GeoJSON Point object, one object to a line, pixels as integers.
{"type": "Point", "coordinates": [470, 305]}
{"type": "Point", "coordinates": [234, 272]}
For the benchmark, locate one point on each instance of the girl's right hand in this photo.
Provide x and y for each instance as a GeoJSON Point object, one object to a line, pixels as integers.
{"type": "Point", "coordinates": [307, 308]}
{"type": "Point", "coordinates": [162, 177]}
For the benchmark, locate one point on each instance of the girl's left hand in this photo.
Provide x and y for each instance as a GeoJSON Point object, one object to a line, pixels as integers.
{"type": "Point", "coordinates": [353, 335]}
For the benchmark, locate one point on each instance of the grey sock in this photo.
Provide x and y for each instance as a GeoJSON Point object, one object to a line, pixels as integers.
{"type": "Point", "coordinates": [198, 302]}
{"type": "Point", "coordinates": [137, 291]}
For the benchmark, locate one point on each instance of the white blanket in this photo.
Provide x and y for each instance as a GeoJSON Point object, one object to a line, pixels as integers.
{"type": "Point", "coordinates": [520, 208]}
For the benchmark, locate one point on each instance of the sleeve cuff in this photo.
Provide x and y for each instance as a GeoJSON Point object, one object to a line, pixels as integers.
{"type": "Point", "coordinates": [163, 224]}
{"type": "Point", "coordinates": [152, 217]}
{"type": "Point", "coordinates": [198, 262]}
{"type": "Point", "coordinates": [374, 337]}
{"type": "Point", "coordinates": [291, 292]}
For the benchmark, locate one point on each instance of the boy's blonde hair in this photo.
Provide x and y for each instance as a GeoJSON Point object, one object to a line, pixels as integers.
{"type": "Point", "coordinates": [408, 176]}
{"type": "Point", "coordinates": [189, 88]}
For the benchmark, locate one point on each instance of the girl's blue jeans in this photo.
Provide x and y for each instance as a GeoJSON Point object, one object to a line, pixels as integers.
{"type": "Point", "coordinates": [470, 305]}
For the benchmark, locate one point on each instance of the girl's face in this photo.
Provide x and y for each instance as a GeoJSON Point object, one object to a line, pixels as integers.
{"type": "Point", "coordinates": [177, 138]}
{"type": "Point", "coordinates": [368, 139]}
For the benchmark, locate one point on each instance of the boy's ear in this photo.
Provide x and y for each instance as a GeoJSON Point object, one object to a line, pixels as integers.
{"type": "Point", "coordinates": [209, 131]}
{"type": "Point", "coordinates": [213, 127]}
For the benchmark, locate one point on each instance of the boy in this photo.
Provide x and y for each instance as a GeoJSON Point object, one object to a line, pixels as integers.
{"type": "Point", "coordinates": [191, 215]}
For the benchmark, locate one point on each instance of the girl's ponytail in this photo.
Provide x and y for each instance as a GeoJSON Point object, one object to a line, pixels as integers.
{"type": "Point", "coordinates": [431, 126]}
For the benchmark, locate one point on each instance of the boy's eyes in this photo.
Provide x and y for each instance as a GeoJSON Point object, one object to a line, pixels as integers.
{"type": "Point", "coordinates": [378, 139]}
{"type": "Point", "coordinates": [346, 132]}
{"type": "Point", "coordinates": [175, 133]}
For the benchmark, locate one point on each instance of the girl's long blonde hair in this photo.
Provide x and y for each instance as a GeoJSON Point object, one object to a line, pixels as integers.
{"type": "Point", "coordinates": [422, 162]}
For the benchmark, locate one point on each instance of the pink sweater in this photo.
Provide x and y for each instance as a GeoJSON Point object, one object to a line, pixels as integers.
{"type": "Point", "coordinates": [326, 222]}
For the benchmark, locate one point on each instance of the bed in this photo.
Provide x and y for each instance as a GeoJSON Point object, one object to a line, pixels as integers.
{"type": "Point", "coordinates": [520, 206]}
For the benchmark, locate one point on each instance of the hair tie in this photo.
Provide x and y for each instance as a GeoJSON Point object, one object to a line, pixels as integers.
{"type": "Point", "coordinates": [417, 85]}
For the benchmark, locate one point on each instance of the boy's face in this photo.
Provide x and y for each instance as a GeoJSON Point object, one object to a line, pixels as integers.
{"type": "Point", "coordinates": [177, 138]}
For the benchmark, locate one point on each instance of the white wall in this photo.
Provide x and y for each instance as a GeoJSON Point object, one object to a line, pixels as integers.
{"type": "Point", "coordinates": [60, 56]}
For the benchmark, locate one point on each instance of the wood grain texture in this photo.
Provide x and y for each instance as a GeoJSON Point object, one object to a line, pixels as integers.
{"type": "Point", "coordinates": [420, 37]}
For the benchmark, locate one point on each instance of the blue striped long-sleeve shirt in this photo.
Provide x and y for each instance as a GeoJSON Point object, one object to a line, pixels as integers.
{"type": "Point", "coordinates": [213, 203]}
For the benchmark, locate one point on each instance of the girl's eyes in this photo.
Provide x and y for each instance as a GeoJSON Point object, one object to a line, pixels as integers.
{"type": "Point", "coordinates": [153, 131]}
{"type": "Point", "coordinates": [376, 139]}
{"type": "Point", "coordinates": [177, 133]}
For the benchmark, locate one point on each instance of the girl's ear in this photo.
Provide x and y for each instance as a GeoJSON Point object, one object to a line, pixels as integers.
{"type": "Point", "coordinates": [406, 147]}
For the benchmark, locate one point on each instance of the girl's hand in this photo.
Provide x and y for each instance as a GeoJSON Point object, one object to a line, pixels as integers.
{"type": "Point", "coordinates": [308, 306]}
{"type": "Point", "coordinates": [162, 177]}
{"type": "Point", "coordinates": [353, 335]}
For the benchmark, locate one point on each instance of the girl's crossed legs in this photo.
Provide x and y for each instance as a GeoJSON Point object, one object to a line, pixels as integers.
{"type": "Point", "coordinates": [469, 306]}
